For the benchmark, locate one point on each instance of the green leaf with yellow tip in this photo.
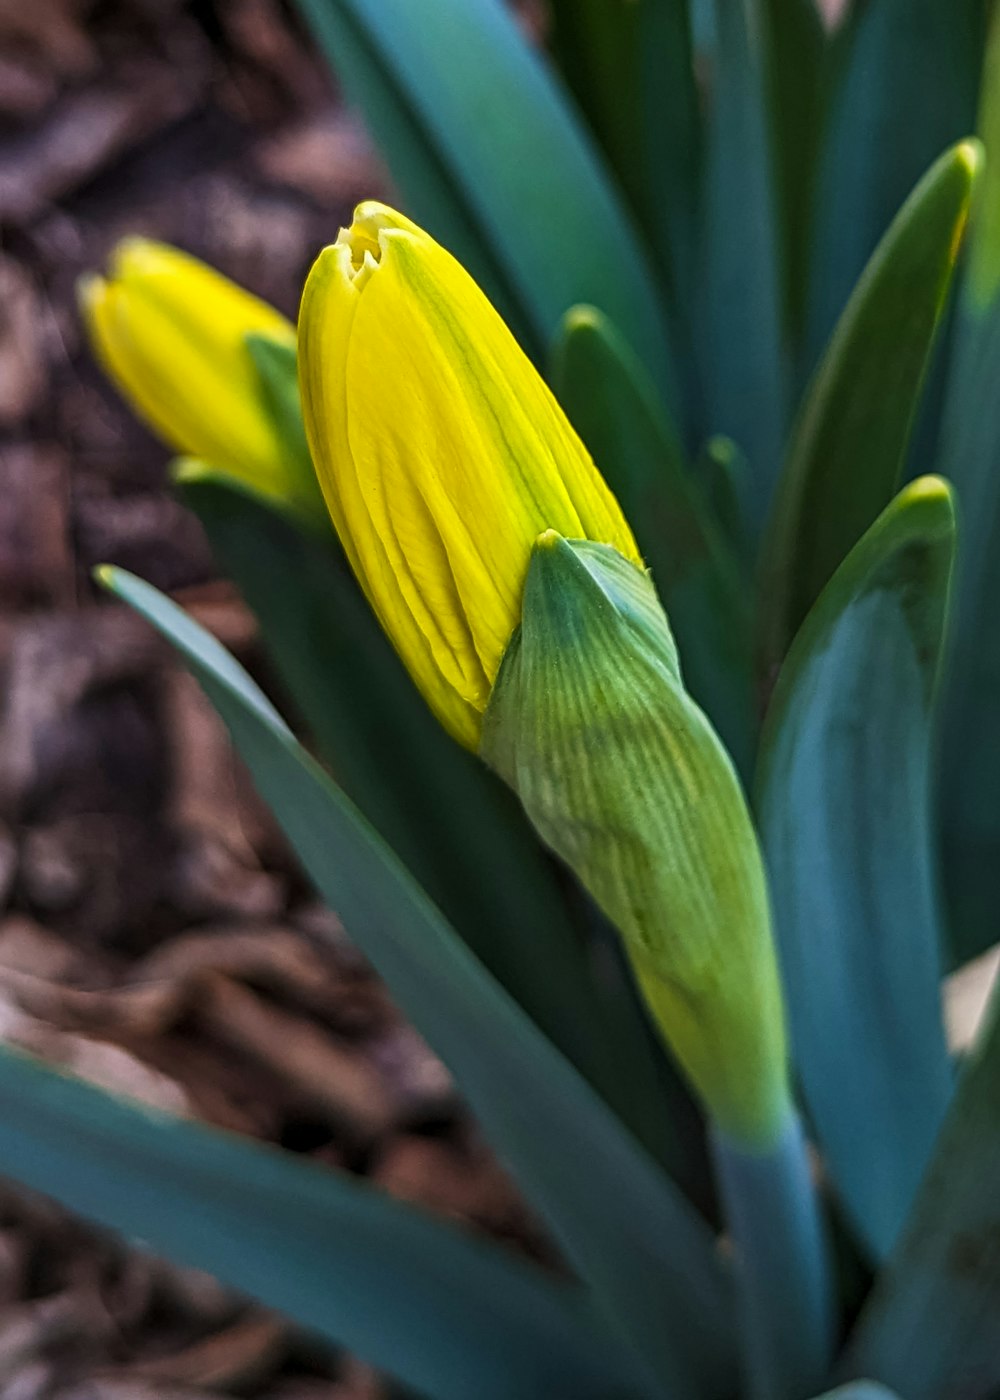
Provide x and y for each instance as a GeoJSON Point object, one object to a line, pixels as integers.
{"type": "Point", "coordinates": [929, 1329]}
{"type": "Point", "coordinates": [843, 803]}
{"type": "Point", "coordinates": [451, 823]}
{"type": "Point", "coordinates": [527, 204]}
{"type": "Point", "coordinates": [649, 1262]}
{"type": "Point", "coordinates": [849, 446]}
{"type": "Point", "coordinates": [338, 1258]}
{"type": "Point", "coordinates": [622, 775]}
{"type": "Point", "coordinates": [612, 405]}
{"type": "Point", "coordinates": [904, 76]}
{"type": "Point", "coordinates": [969, 455]}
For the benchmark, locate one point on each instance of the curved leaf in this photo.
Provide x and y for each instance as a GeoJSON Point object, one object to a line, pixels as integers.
{"type": "Point", "coordinates": [930, 1327]}
{"type": "Point", "coordinates": [647, 1258]}
{"type": "Point", "coordinates": [631, 68]}
{"type": "Point", "coordinates": [904, 90]}
{"type": "Point", "coordinates": [491, 159]}
{"type": "Point", "coordinates": [844, 813]}
{"type": "Point", "coordinates": [448, 1313]}
{"type": "Point", "coordinates": [849, 446]}
{"type": "Point", "coordinates": [969, 455]}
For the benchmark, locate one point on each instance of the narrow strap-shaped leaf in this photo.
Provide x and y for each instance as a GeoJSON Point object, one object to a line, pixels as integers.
{"type": "Point", "coordinates": [844, 812]}
{"type": "Point", "coordinates": [631, 69]}
{"type": "Point", "coordinates": [905, 89]}
{"type": "Point", "coordinates": [647, 1258]}
{"type": "Point", "coordinates": [930, 1328]}
{"type": "Point", "coordinates": [969, 454]}
{"type": "Point", "coordinates": [721, 474]}
{"type": "Point", "coordinates": [452, 823]}
{"type": "Point", "coordinates": [742, 350]}
{"type": "Point", "coordinates": [608, 398]}
{"type": "Point", "coordinates": [796, 69]}
{"type": "Point", "coordinates": [450, 86]}
{"type": "Point", "coordinates": [849, 446]}
{"type": "Point", "coordinates": [445, 1311]}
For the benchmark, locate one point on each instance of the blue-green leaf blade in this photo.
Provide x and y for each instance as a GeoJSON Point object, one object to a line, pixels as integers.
{"type": "Point", "coordinates": [969, 455]}
{"type": "Point", "coordinates": [907, 74]}
{"type": "Point", "coordinates": [849, 446]}
{"type": "Point", "coordinates": [930, 1327]}
{"type": "Point", "coordinates": [647, 1258]}
{"type": "Point", "coordinates": [743, 355]}
{"type": "Point", "coordinates": [516, 177]}
{"type": "Point", "coordinates": [631, 69]}
{"type": "Point", "coordinates": [446, 1312]}
{"type": "Point", "coordinates": [845, 818]}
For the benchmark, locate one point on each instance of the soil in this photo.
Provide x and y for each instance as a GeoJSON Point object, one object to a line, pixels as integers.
{"type": "Point", "coordinates": [155, 936]}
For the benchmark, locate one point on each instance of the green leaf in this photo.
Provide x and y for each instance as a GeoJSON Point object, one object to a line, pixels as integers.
{"type": "Point", "coordinates": [796, 53]}
{"type": "Point", "coordinates": [849, 447]}
{"type": "Point", "coordinates": [930, 1327]}
{"type": "Point", "coordinates": [721, 473]}
{"type": "Point", "coordinates": [905, 90]}
{"type": "Point", "coordinates": [969, 454]}
{"type": "Point", "coordinates": [446, 1312]}
{"type": "Point", "coordinates": [454, 826]}
{"type": "Point", "coordinates": [742, 352]}
{"type": "Point", "coordinates": [277, 369]}
{"type": "Point", "coordinates": [845, 818]}
{"type": "Point", "coordinates": [631, 69]}
{"type": "Point", "coordinates": [647, 1258]}
{"type": "Point", "coordinates": [492, 161]}
{"type": "Point", "coordinates": [613, 406]}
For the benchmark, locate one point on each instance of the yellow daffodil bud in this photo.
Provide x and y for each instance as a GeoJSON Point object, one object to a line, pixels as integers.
{"type": "Point", "coordinates": [623, 776]}
{"type": "Point", "coordinates": [204, 363]}
{"type": "Point", "coordinates": [441, 453]}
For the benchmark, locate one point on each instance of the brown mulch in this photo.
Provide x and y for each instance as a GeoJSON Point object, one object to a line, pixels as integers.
{"type": "Point", "coordinates": [155, 936]}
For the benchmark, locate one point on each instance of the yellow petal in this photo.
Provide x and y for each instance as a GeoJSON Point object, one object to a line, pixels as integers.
{"type": "Point", "coordinates": [441, 452]}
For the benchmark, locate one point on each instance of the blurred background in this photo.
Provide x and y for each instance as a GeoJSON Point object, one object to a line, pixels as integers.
{"type": "Point", "coordinates": [154, 935]}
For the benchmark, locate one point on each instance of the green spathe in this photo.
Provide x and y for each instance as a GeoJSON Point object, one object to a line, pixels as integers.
{"type": "Point", "coordinates": [622, 775]}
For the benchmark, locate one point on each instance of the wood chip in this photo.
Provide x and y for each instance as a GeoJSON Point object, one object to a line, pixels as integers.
{"type": "Point", "coordinates": [325, 1077]}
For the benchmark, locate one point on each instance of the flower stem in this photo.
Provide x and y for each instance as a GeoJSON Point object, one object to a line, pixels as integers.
{"type": "Point", "coordinates": [786, 1298]}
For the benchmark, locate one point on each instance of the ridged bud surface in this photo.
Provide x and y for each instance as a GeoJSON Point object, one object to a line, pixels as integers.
{"type": "Point", "coordinates": [623, 776]}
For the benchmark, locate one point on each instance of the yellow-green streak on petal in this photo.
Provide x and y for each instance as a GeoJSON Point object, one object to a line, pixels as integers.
{"type": "Point", "coordinates": [441, 453]}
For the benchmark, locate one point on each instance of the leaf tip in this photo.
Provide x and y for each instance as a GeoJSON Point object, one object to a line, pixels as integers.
{"type": "Point", "coordinates": [583, 318]}
{"type": "Point", "coordinates": [970, 155]}
{"type": "Point", "coordinates": [929, 504]}
{"type": "Point", "coordinates": [104, 575]}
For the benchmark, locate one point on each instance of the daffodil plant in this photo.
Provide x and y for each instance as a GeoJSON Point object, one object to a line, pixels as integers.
{"type": "Point", "coordinates": [601, 526]}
